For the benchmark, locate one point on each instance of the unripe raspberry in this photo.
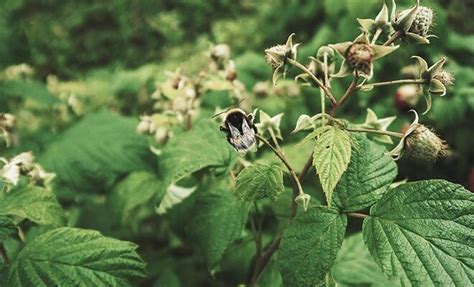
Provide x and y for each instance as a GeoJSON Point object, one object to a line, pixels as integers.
{"type": "Point", "coordinates": [444, 77]}
{"type": "Point", "coordinates": [424, 145]}
{"type": "Point", "coordinates": [359, 56]}
{"type": "Point", "coordinates": [423, 21]}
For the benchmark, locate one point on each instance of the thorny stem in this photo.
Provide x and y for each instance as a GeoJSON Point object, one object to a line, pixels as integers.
{"type": "Point", "coordinates": [376, 36]}
{"type": "Point", "coordinates": [315, 79]}
{"type": "Point", "coordinates": [394, 82]}
{"type": "Point", "coordinates": [388, 133]}
{"type": "Point", "coordinates": [395, 36]}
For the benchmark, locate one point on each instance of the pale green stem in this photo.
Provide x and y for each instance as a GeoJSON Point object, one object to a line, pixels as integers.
{"type": "Point", "coordinates": [380, 132]}
{"type": "Point", "coordinates": [376, 36]}
{"type": "Point", "coordinates": [315, 79]}
{"type": "Point", "coordinates": [395, 82]}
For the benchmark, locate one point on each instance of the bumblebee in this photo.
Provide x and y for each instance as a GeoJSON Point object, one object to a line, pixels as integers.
{"type": "Point", "coordinates": [240, 129]}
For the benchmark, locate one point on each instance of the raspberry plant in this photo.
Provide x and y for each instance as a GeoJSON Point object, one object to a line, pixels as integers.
{"type": "Point", "coordinates": [294, 219]}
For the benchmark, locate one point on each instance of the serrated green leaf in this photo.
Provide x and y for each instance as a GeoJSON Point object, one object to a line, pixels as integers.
{"type": "Point", "coordinates": [423, 234]}
{"type": "Point", "coordinates": [220, 219]}
{"type": "Point", "coordinates": [355, 267]}
{"type": "Point", "coordinates": [331, 156]}
{"type": "Point", "coordinates": [75, 257]}
{"type": "Point", "coordinates": [309, 246]}
{"type": "Point", "coordinates": [368, 176]}
{"type": "Point", "coordinates": [36, 204]}
{"type": "Point", "coordinates": [96, 150]}
{"type": "Point", "coordinates": [132, 198]}
{"type": "Point", "coordinates": [7, 227]}
{"type": "Point", "coordinates": [201, 147]}
{"type": "Point", "coordinates": [259, 181]}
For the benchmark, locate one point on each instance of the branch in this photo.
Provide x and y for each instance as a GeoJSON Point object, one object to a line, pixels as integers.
{"type": "Point", "coordinates": [388, 133]}
{"type": "Point", "coordinates": [315, 79]}
{"type": "Point", "coordinates": [394, 82]}
{"type": "Point", "coordinates": [395, 36]}
{"type": "Point", "coordinates": [352, 87]}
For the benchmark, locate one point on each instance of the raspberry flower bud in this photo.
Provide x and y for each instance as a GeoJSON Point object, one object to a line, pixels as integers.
{"type": "Point", "coordinates": [424, 145]}
{"type": "Point", "coordinates": [270, 125]}
{"type": "Point", "coordinates": [420, 143]}
{"type": "Point", "coordinates": [435, 79]}
{"type": "Point", "coordinates": [277, 57]}
{"type": "Point", "coordinates": [303, 200]}
{"type": "Point", "coordinates": [359, 56]}
{"type": "Point", "coordinates": [414, 23]}
{"type": "Point", "coordinates": [379, 25]}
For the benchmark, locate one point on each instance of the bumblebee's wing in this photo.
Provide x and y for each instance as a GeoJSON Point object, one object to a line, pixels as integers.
{"type": "Point", "coordinates": [245, 127]}
{"type": "Point", "coordinates": [234, 132]}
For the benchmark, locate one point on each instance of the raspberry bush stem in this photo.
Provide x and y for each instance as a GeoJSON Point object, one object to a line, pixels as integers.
{"type": "Point", "coordinates": [388, 133]}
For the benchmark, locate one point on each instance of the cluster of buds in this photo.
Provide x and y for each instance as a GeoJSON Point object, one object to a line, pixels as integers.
{"type": "Point", "coordinates": [7, 128]}
{"type": "Point", "coordinates": [420, 143]}
{"type": "Point", "coordinates": [23, 164]}
{"type": "Point", "coordinates": [159, 126]}
{"type": "Point", "coordinates": [284, 89]}
{"type": "Point", "coordinates": [21, 71]}
{"type": "Point", "coordinates": [413, 24]}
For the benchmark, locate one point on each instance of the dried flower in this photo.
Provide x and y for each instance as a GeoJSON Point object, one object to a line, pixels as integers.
{"type": "Point", "coordinates": [435, 79]}
{"type": "Point", "coordinates": [359, 56]}
{"type": "Point", "coordinates": [414, 23]}
{"type": "Point", "coordinates": [420, 143]}
{"type": "Point", "coordinates": [277, 57]}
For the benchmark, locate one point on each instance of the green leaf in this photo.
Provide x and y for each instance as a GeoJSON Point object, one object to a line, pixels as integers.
{"type": "Point", "coordinates": [423, 234]}
{"type": "Point", "coordinates": [259, 181]}
{"type": "Point", "coordinates": [202, 147]}
{"type": "Point", "coordinates": [309, 246]}
{"type": "Point", "coordinates": [27, 89]}
{"type": "Point", "coordinates": [367, 178]}
{"type": "Point", "coordinates": [75, 257]}
{"type": "Point", "coordinates": [7, 227]}
{"type": "Point", "coordinates": [132, 198]}
{"type": "Point", "coordinates": [96, 150]}
{"type": "Point", "coordinates": [219, 219]}
{"type": "Point", "coordinates": [34, 203]}
{"type": "Point", "coordinates": [355, 267]}
{"type": "Point", "coordinates": [332, 153]}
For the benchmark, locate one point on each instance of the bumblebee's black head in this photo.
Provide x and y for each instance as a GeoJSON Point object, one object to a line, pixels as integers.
{"type": "Point", "coordinates": [236, 118]}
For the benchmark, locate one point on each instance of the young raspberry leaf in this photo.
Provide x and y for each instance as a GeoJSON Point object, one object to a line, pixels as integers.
{"type": "Point", "coordinates": [331, 156]}
{"type": "Point", "coordinates": [259, 181]}
{"type": "Point", "coordinates": [75, 257]}
{"type": "Point", "coordinates": [367, 178]}
{"type": "Point", "coordinates": [422, 234]}
{"type": "Point", "coordinates": [309, 246]}
{"type": "Point", "coordinates": [219, 220]}
{"type": "Point", "coordinates": [36, 204]}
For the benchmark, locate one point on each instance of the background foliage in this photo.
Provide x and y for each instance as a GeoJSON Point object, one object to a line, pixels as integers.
{"type": "Point", "coordinates": [94, 66]}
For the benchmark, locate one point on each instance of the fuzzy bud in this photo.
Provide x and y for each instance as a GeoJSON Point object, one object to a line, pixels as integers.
{"type": "Point", "coordinates": [359, 56]}
{"type": "Point", "coordinates": [444, 77]}
{"type": "Point", "coordinates": [422, 23]}
{"type": "Point", "coordinates": [424, 145]}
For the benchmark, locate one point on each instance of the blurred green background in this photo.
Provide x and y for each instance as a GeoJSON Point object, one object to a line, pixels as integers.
{"type": "Point", "coordinates": [61, 60]}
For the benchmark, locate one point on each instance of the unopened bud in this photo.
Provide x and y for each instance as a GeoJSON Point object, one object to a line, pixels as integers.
{"type": "Point", "coordinates": [303, 200]}
{"type": "Point", "coordinates": [424, 145]}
